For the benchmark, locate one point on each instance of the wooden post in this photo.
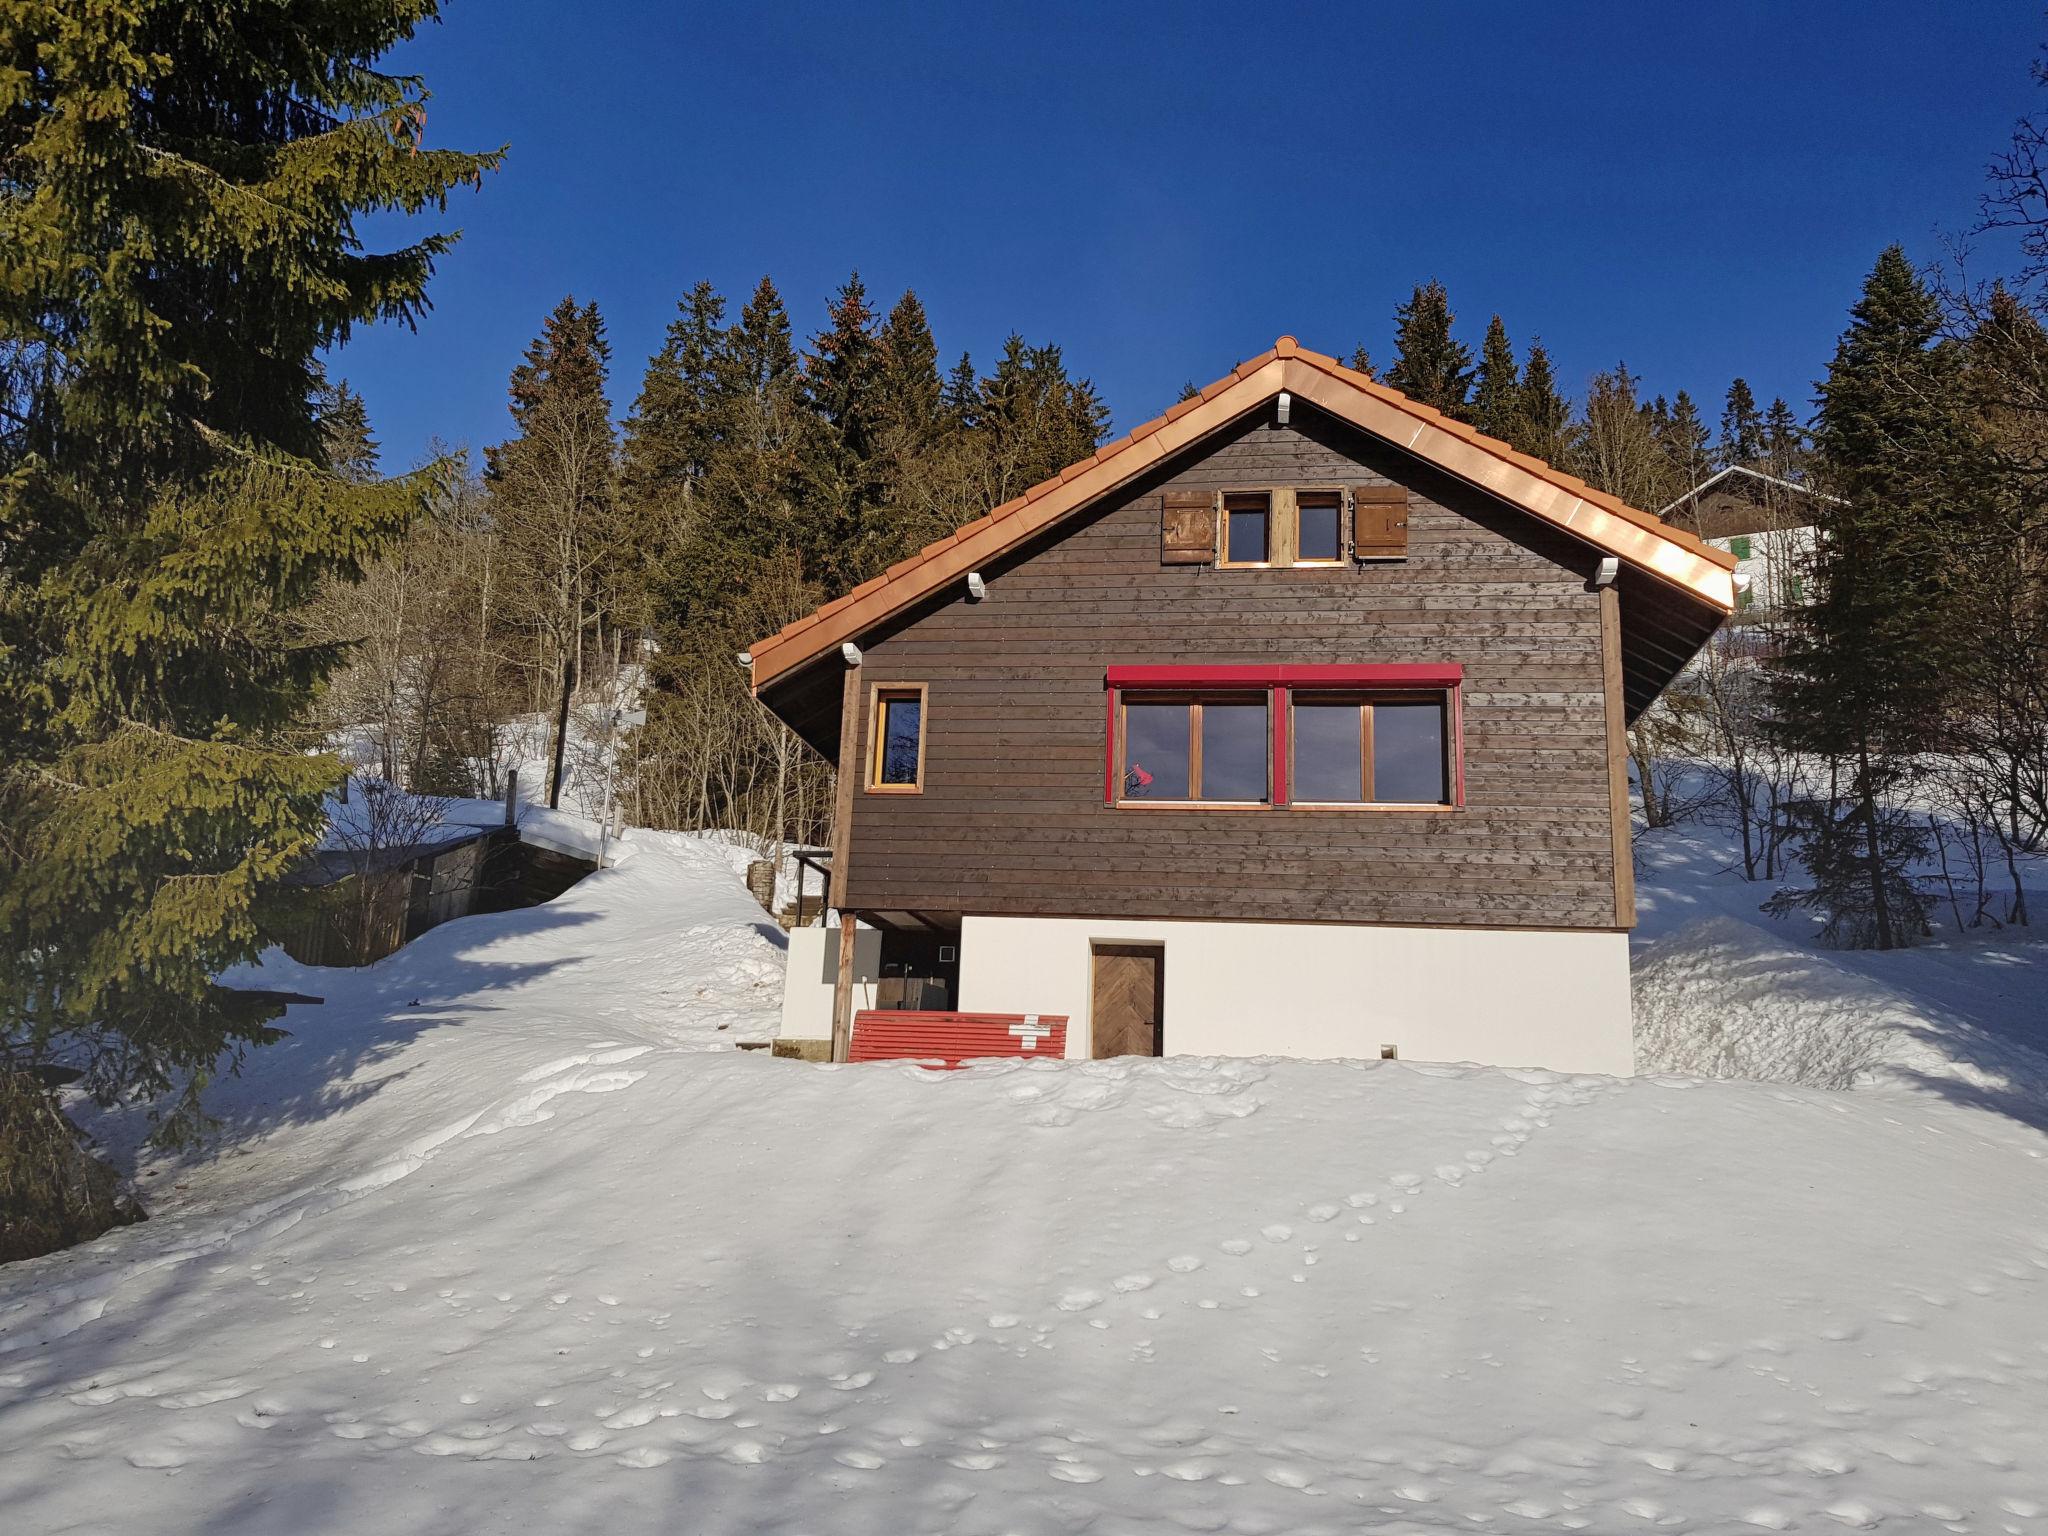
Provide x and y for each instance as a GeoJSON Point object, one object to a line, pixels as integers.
{"type": "Point", "coordinates": [511, 797]}
{"type": "Point", "coordinates": [842, 846]}
{"type": "Point", "coordinates": [842, 990]}
{"type": "Point", "coordinates": [1617, 759]}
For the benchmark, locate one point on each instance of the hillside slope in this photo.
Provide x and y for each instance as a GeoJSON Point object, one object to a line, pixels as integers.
{"type": "Point", "coordinates": [502, 1241]}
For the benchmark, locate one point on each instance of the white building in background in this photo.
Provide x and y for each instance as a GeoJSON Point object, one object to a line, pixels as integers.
{"type": "Point", "coordinates": [1766, 523]}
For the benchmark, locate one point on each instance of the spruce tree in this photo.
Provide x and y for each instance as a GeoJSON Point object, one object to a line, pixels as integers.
{"type": "Point", "coordinates": [1543, 421]}
{"type": "Point", "coordinates": [1497, 397]}
{"type": "Point", "coordinates": [182, 198]}
{"type": "Point", "coordinates": [843, 372]}
{"type": "Point", "coordinates": [1861, 681]}
{"type": "Point", "coordinates": [1430, 365]}
{"type": "Point", "coordinates": [1360, 361]}
{"type": "Point", "coordinates": [1682, 435]}
{"type": "Point", "coordinates": [674, 428]}
{"type": "Point", "coordinates": [962, 396]}
{"type": "Point", "coordinates": [1784, 441]}
{"type": "Point", "coordinates": [1742, 428]}
{"type": "Point", "coordinates": [570, 554]}
{"type": "Point", "coordinates": [909, 405]}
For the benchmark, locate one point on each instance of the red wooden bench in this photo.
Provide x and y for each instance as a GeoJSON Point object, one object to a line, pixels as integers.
{"type": "Point", "coordinates": [948, 1039]}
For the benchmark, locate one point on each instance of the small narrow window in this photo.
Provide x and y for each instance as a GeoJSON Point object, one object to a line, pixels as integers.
{"type": "Point", "coordinates": [1319, 518]}
{"type": "Point", "coordinates": [898, 764]}
{"type": "Point", "coordinates": [1247, 528]}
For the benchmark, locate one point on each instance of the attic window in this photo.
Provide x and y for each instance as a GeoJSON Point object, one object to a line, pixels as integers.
{"type": "Point", "coordinates": [1247, 528]}
{"type": "Point", "coordinates": [1319, 527]}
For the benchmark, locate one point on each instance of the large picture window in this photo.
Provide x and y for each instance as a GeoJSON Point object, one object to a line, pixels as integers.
{"type": "Point", "coordinates": [1195, 749]}
{"type": "Point", "coordinates": [1318, 737]}
{"type": "Point", "coordinates": [1370, 749]}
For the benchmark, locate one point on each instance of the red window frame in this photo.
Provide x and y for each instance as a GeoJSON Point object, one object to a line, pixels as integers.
{"type": "Point", "coordinates": [1279, 682]}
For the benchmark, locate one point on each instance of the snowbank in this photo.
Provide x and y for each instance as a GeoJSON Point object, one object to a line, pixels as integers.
{"type": "Point", "coordinates": [1721, 990]}
{"type": "Point", "coordinates": [504, 1239]}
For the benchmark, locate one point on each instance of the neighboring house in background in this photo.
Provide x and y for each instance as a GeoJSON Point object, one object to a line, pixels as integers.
{"type": "Point", "coordinates": [1291, 723]}
{"type": "Point", "coordinates": [1766, 523]}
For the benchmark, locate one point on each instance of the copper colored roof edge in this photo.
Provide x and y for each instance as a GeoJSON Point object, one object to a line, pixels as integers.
{"type": "Point", "coordinates": [1286, 349]}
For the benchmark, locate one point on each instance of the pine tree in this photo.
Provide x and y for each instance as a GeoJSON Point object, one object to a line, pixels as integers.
{"type": "Point", "coordinates": [1361, 362]}
{"type": "Point", "coordinates": [345, 431]}
{"type": "Point", "coordinates": [182, 196]}
{"type": "Point", "coordinates": [1861, 680]}
{"type": "Point", "coordinates": [962, 396]}
{"type": "Point", "coordinates": [674, 428]}
{"type": "Point", "coordinates": [1033, 420]}
{"type": "Point", "coordinates": [1430, 365]}
{"type": "Point", "coordinates": [1497, 398]}
{"type": "Point", "coordinates": [1543, 426]}
{"type": "Point", "coordinates": [1784, 441]}
{"type": "Point", "coordinates": [572, 559]}
{"type": "Point", "coordinates": [1682, 436]}
{"type": "Point", "coordinates": [909, 399]}
{"type": "Point", "coordinates": [843, 372]}
{"type": "Point", "coordinates": [1742, 428]}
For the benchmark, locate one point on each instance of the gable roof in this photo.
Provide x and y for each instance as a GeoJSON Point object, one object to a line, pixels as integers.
{"type": "Point", "coordinates": [1738, 500]}
{"type": "Point", "coordinates": [1638, 539]}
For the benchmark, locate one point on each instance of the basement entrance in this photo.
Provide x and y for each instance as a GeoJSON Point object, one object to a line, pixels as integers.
{"type": "Point", "coordinates": [1127, 1000]}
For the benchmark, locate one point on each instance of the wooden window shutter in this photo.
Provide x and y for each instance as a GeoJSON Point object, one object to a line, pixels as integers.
{"type": "Point", "coordinates": [1187, 528]}
{"type": "Point", "coordinates": [1379, 522]}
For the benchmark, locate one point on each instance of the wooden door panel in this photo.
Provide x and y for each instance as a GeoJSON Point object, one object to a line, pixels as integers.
{"type": "Point", "coordinates": [1128, 990]}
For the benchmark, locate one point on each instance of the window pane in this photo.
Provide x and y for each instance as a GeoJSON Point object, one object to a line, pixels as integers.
{"type": "Point", "coordinates": [1234, 751]}
{"type": "Point", "coordinates": [1320, 521]}
{"type": "Point", "coordinates": [1408, 752]}
{"type": "Point", "coordinates": [1247, 534]}
{"type": "Point", "coordinates": [1155, 752]}
{"type": "Point", "coordinates": [1326, 753]}
{"type": "Point", "coordinates": [902, 720]}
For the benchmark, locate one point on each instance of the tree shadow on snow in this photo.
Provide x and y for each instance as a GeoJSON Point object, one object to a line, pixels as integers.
{"type": "Point", "coordinates": [372, 1014]}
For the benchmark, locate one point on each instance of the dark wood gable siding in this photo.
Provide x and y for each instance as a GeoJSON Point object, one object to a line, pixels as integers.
{"type": "Point", "coordinates": [1012, 819]}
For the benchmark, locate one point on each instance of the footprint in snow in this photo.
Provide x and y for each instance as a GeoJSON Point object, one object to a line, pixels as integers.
{"type": "Point", "coordinates": [643, 1456]}
{"type": "Point", "coordinates": [1079, 1299]}
{"type": "Point", "coordinates": [860, 1461]}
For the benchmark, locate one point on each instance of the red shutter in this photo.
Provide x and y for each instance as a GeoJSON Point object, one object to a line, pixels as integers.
{"type": "Point", "coordinates": [1379, 522]}
{"type": "Point", "coordinates": [1187, 528]}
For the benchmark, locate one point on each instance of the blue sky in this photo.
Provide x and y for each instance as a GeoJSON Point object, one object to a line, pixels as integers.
{"type": "Point", "coordinates": [1697, 189]}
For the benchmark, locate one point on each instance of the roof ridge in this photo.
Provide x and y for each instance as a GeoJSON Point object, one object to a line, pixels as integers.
{"type": "Point", "coordinates": [1284, 349]}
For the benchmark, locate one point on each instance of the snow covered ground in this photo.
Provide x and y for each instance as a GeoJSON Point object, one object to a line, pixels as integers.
{"type": "Point", "coordinates": [502, 1239]}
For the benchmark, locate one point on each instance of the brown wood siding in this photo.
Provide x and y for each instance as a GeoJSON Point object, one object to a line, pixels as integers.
{"type": "Point", "coordinates": [1012, 819]}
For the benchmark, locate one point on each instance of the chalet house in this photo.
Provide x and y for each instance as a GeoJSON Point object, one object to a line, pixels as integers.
{"type": "Point", "coordinates": [1766, 523]}
{"type": "Point", "coordinates": [1291, 723]}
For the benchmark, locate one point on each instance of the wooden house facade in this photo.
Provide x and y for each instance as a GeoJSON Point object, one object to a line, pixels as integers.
{"type": "Point", "coordinates": [1290, 724]}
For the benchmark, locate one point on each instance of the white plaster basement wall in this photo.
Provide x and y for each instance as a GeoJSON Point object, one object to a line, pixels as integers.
{"type": "Point", "coordinates": [1510, 998]}
{"type": "Point", "coordinates": [813, 973]}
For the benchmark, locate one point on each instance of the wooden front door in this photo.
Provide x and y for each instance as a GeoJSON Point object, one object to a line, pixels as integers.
{"type": "Point", "coordinates": [1129, 999]}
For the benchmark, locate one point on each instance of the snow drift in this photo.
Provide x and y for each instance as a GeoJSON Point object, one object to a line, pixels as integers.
{"type": "Point", "coordinates": [503, 1239]}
